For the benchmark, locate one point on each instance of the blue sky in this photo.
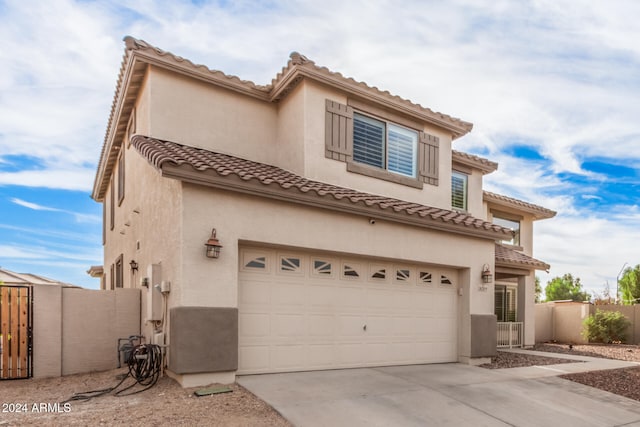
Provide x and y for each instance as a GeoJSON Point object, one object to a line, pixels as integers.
{"type": "Point", "coordinates": [552, 88]}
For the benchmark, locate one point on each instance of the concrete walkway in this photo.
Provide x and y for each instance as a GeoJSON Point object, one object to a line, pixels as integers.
{"type": "Point", "coordinates": [445, 395]}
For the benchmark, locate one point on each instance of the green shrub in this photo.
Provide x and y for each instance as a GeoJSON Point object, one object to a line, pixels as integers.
{"type": "Point", "coordinates": [606, 327]}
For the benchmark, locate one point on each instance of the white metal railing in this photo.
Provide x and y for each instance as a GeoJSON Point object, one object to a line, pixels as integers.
{"type": "Point", "coordinates": [510, 334]}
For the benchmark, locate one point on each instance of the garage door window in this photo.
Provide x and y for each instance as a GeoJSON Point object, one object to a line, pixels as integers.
{"type": "Point", "coordinates": [321, 267]}
{"type": "Point", "coordinates": [425, 278]}
{"type": "Point", "coordinates": [290, 264]}
{"type": "Point", "coordinates": [403, 275]}
{"type": "Point", "coordinates": [445, 281]}
{"type": "Point", "coordinates": [379, 274]}
{"type": "Point", "coordinates": [350, 271]}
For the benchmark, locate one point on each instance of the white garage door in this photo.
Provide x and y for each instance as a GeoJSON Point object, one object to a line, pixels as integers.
{"type": "Point", "coordinates": [306, 311]}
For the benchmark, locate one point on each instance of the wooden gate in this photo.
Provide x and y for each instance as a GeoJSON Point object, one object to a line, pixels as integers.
{"type": "Point", "coordinates": [15, 332]}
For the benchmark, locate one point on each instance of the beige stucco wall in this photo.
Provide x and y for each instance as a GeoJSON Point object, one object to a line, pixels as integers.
{"type": "Point", "coordinates": [561, 322]}
{"type": "Point", "coordinates": [548, 315]}
{"type": "Point", "coordinates": [92, 322]}
{"type": "Point", "coordinates": [77, 330]}
{"type": "Point", "coordinates": [47, 331]}
{"type": "Point", "coordinates": [147, 222]}
{"type": "Point", "coordinates": [289, 134]}
{"type": "Point", "coordinates": [544, 322]}
{"type": "Point", "coordinates": [240, 218]}
{"type": "Point", "coordinates": [192, 112]}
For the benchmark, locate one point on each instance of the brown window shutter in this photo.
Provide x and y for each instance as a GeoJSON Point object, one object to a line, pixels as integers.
{"type": "Point", "coordinates": [338, 131]}
{"type": "Point", "coordinates": [428, 158]}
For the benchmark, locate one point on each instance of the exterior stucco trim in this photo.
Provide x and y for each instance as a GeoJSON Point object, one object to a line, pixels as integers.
{"type": "Point", "coordinates": [273, 191]}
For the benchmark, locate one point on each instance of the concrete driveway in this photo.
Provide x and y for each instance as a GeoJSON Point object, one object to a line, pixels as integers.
{"type": "Point", "coordinates": [439, 395]}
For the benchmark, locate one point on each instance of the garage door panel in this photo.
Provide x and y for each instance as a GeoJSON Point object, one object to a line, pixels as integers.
{"type": "Point", "coordinates": [321, 297]}
{"type": "Point", "coordinates": [348, 297]}
{"type": "Point", "coordinates": [321, 356]}
{"type": "Point", "coordinates": [288, 357]}
{"type": "Point", "coordinates": [349, 354]}
{"type": "Point", "coordinates": [289, 326]}
{"type": "Point", "coordinates": [377, 299]}
{"type": "Point", "coordinates": [350, 326]}
{"type": "Point", "coordinates": [254, 358]}
{"type": "Point", "coordinates": [285, 294]}
{"type": "Point", "coordinates": [379, 326]}
{"type": "Point", "coordinates": [251, 325]}
{"type": "Point", "coordinates": [254, 292]}
{"type": "Point", "coordinates": [321, 326]}
{"type": "Point", "coordinates": [302, 311]}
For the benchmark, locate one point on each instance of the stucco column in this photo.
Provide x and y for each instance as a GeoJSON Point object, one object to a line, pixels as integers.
{"type": "Point", "coordinates": [526, 308]}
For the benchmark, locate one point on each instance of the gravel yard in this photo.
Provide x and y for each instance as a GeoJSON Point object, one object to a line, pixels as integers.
{"type": "Point", "coordinates": [624, 382]}
{"type": "Point", "coordinates": [32, 402]}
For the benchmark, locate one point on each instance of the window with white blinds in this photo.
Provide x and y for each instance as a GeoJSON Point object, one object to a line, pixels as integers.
{"type": "Point", "coordinates": [384, 145]}
{"type": "Point", "coordinates": [368, 141]}
{"type": "Point", "coordinates": [459, 190]}
{"type": "Point", "coordinates": [401, 148]}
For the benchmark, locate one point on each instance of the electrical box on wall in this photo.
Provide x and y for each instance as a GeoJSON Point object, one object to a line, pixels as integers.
{"type": "Point", "coordinates": [154, 296]}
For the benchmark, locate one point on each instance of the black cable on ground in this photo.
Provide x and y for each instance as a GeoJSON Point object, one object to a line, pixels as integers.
{"type": "Point", "coordinates": [145, 367]}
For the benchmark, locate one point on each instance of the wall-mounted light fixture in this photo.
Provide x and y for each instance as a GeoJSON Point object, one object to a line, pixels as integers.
{"type": "Point", "coordinates": [487, 277]}
{"type": "Point", "coordinates": [213, 245]}
{"type": "Point", "coordinates": [134, 265]}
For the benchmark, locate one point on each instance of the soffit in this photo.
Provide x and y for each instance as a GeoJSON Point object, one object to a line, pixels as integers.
{"type": "Point", "coordinates": [538, 212]}
{"type": "Point", "coordinates": [232, 173]}
{"type": "Point", "coordinates": [484, 165]}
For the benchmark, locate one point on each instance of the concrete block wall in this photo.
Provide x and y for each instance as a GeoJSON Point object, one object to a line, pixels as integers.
{"type": "Point", "coordinates": [563, 321]}
{"type": "Point", "coordinates": [77, 330]}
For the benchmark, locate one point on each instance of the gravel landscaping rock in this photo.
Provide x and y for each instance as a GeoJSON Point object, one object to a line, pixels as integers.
{"type": "Point", "coordinates": [519, 360]}
{"type": "Point", "coordinates": [38, 402]}
{"type": "Point", "coordinates": [624, 382]}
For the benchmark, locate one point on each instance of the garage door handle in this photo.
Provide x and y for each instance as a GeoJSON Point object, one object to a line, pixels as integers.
{"type": "Point", "coordinates": [364, 328]}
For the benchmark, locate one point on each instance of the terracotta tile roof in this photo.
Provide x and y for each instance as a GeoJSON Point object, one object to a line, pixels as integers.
{"type": "Point", "coordinates": [300, 63]}
{"type": "Point", "coordinates": [180, 161]}
{"type": "Point", "coordinates": [505, 255]}
{"type": "Point", "coordinates": [138, 54]}
{"type": "Point", "coordinates": [539, 212]}
{"type": "Point", "coordinates": [476, 161]}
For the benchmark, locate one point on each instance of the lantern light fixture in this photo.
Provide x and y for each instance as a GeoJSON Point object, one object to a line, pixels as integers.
{"type": "Point", "coordinates": [487, 277]}
{"type": "Point", "coordinates": [134, 265]}
{"type": "Point", "coordinates": [213, 245]}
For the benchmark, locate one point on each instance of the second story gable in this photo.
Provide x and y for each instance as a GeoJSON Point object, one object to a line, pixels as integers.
{"type": "Point", "coordinates": [313, 122]}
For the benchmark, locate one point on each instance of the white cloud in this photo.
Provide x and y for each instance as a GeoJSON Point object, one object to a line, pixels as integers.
{"type": "Point", "coordinates": [561, 77]}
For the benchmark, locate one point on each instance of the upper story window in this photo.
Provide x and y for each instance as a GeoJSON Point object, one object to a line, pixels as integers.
{"type": "Point", "coordinates": [510, 223]}
{"type": "Point", "coordinates": [121, 177]}
{"type": "Point", "coordinates": [459, 190]}
{"type": "Point", "coordinates": [384, 145]}
{"type": "Point", "coordinates": [388, 147]}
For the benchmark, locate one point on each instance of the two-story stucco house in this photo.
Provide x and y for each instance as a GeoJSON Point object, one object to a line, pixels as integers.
{"type": "Point", "coordinates": [351, 233]}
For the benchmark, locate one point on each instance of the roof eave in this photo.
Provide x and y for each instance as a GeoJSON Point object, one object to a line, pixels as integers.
{"type": "Point", "coordinates": [273, 191]}
{"type": "Point", "coordinates": [296, 72]}
{"type": "Point", "coordinates": [138, 56]}
{"type": "Point", "coordinates": [486, 166]}
{"type": "Point", "coordinates": [538, 212]}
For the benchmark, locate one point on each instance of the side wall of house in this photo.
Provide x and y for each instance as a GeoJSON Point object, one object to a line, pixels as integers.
{"type": "Point", "coordinates": [146, 224]}
{"type": "Point", "coordinates": [247, 219]}
{"type": "Point", "coordinates": [191, 112]}
{"type": "Point", "coordinates": [289, 134]}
